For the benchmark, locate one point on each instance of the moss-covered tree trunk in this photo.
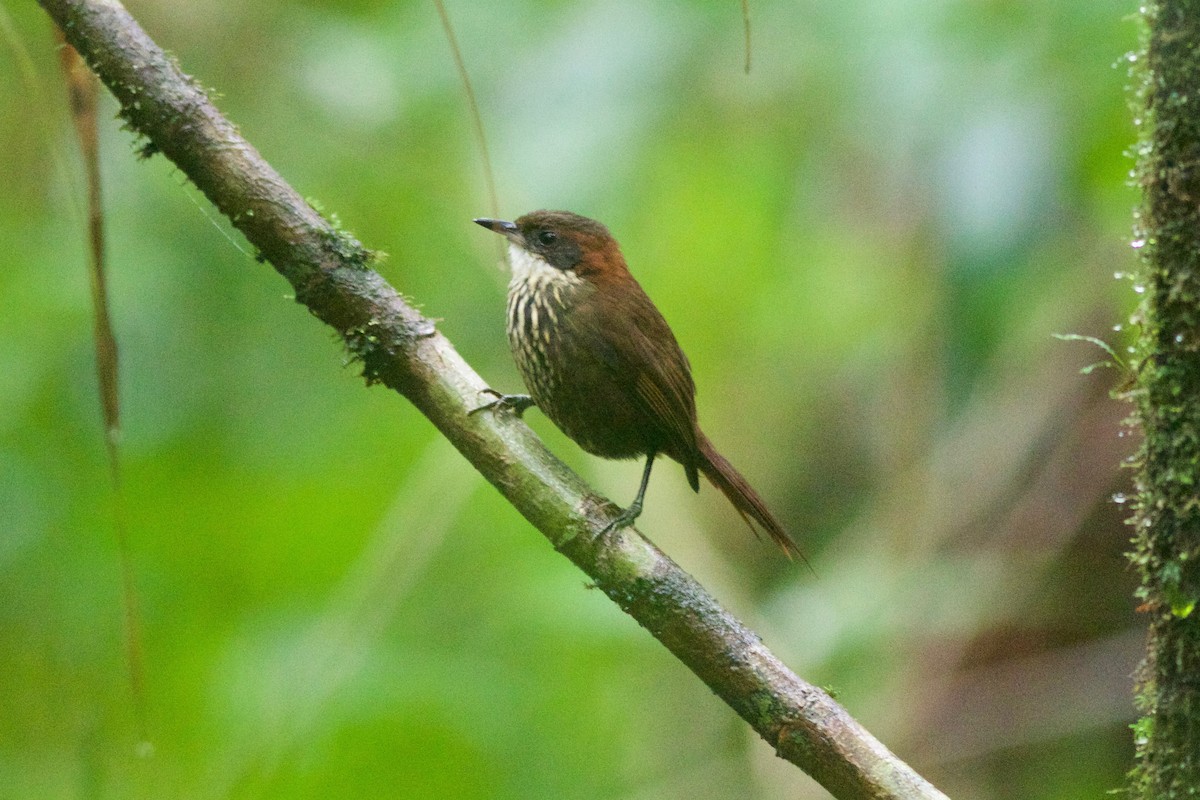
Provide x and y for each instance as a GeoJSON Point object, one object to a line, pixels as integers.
{"type": "Point", "coordinates": [1167, 512]}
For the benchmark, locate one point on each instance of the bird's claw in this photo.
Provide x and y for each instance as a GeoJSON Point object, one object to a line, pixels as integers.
{"type": "Point", "coordinates": [623, 520]}
{"type": "Point", "coordinates": [516, 403]}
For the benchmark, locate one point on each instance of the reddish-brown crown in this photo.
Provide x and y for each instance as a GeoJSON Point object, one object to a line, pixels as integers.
{"type": "Point", "coordinates": [568, 241]}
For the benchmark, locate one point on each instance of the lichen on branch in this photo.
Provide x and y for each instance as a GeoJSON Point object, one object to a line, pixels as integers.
{"type": "Point", "coordinates": [1166, 511]}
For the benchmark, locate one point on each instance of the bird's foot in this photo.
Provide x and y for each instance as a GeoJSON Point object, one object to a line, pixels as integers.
{"type": "Point", "coordinates": [622, 520]}
{"type": "Point", "coordinates": [516, 403]}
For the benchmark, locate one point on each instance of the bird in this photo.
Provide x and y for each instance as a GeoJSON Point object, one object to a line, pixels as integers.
{"type": "Point", "coordinates": [600, 361]}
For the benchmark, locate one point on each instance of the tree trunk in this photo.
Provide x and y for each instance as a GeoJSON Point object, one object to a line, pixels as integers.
{"type": "Point", "coordinates": [1167, 391]}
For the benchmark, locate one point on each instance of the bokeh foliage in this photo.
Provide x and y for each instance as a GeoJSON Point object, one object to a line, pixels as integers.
{"type": "Point", "coordinates": [864, 246]}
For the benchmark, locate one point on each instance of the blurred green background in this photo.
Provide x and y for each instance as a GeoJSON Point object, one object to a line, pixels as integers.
{"type": "Point", "coordinates": [865, 246]}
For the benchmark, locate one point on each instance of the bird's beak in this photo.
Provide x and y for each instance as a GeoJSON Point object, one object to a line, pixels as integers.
{"type": "Point", "coordinates": [507, 229]}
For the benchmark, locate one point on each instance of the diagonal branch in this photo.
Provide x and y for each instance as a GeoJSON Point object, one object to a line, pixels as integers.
{"type": "Point", "coordinates": [1167, 394]}
{"type": "Point", "coordinates": [399, 348]}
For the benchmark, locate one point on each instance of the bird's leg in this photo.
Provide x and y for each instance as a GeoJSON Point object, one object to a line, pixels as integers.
{"type": "Point", "coordinates": [626, 517]}
{"type": "Point", "coordinates": [516, 403]}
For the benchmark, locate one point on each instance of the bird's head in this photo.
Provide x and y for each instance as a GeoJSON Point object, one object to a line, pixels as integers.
{"type": "Point", "coordinates": [562, 241]}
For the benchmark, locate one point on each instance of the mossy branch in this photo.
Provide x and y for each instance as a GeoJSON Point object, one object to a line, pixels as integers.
{"type": "Point", "coordinates": [399, 348]}
{"type": "Point", "coordinates": [1167, 364]}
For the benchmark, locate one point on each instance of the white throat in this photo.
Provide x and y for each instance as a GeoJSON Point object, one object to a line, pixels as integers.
{"type": "Point", "coordinates": [532, 270]}
{"type": "Point", "coordinates": [526, 266]}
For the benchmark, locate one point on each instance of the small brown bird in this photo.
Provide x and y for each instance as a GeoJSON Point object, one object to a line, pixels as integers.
{"type": "Point", "coordinates": [599, 359]}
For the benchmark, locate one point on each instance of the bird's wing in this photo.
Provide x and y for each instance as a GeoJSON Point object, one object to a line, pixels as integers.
{"type": "Point", "coordinates": [662, 378]}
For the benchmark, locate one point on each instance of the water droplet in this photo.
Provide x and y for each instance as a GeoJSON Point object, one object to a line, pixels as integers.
{"type": "Point", "coordinates": [1139, 288]}
{"type": "Point", "coordinates": [1178, 338]}
{"type": "Point", "coordinates": [1119, 498]}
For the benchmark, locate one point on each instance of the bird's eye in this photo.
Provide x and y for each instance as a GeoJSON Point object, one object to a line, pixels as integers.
{"type": "Point", "coordinates": [547, 237]}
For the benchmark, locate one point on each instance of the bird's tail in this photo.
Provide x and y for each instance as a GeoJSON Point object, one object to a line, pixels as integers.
{"type": "Point", "coordinates": [722, 475]}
